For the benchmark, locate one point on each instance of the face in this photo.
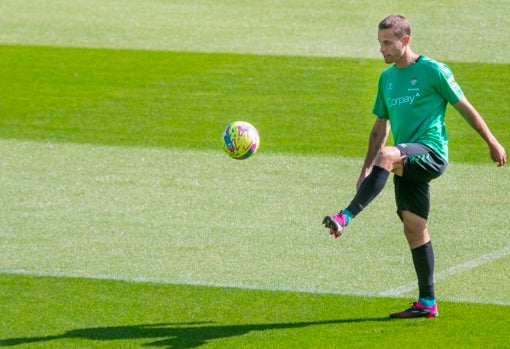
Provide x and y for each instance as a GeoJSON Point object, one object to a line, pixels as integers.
{"type": "Point", "coordinates": [391, 47]}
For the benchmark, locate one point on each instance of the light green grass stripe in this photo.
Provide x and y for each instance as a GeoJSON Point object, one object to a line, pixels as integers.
{"type": "Point", "coordinates": [449, 30]}
{"type": "Point", "coordinates": [452, 271]}
{"type": "Point", "coordinates": [200, 218]}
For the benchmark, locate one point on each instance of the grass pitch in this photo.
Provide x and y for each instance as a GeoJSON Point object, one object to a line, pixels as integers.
{"type": "Point", "coordinates": [453, 30]}
{"type": "Point", "coordinates": [170, 99]}
{"type": "Point", "coordinates": [123, 224]}
{"type": "Point", "coordinates": [108, 314]}
{"type": "Point", "coordinates": [141, 213]}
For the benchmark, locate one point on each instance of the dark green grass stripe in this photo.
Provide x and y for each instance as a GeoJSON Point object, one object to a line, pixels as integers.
{"type": "Point", "coordinates": [72, 312]}
{"type": "Point", "coordinates": [171, 99]}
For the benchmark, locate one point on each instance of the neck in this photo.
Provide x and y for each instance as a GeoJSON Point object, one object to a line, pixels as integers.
{"type": "Point", "coordinates": [408, 58]}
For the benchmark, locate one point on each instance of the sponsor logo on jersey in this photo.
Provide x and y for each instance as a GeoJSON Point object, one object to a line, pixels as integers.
{"type": "Point", "coordinates": [403, 100]}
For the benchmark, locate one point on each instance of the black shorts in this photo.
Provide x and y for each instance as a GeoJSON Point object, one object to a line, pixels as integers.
{"type": "Point", "coordinates": [412, 190]}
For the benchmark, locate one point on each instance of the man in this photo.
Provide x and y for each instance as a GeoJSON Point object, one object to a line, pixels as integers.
{"type": "Point", "coordinates": [411, 102]}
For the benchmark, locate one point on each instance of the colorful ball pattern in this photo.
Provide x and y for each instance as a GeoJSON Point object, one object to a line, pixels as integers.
{"type": "Point", "coordinates": [240, 140]}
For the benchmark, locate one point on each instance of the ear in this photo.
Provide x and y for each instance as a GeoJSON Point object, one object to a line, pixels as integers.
{"type": "Point", "coordinates": [406, 39]}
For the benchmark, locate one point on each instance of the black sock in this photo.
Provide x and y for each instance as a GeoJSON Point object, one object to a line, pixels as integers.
{"type": "Point", "coordinates": [423, 258]}
{"type": "Point", "coordinates": [369, 189]}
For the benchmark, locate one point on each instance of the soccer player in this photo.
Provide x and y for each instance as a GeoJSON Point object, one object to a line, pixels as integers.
{"type": "Point", "coordinates": [411, 102]}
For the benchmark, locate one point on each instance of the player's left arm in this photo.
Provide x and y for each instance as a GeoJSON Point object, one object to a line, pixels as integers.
{"type": "Point", "coordinates": [475, 120]}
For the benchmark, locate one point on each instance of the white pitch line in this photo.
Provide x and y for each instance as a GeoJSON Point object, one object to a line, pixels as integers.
{"type": "Point", "coordinates": [445, 274]}
{"type": "Point", "coordinates": [399, 291]}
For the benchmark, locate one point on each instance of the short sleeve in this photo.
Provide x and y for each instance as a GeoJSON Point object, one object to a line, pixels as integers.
{"type": "Point", "coordinates": [449, 89]}
{"type": "Point", "coordinates": [380, 109]}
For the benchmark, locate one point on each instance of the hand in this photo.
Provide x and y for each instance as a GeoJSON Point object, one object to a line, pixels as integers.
{"type": "Point", "coordinates": [498, 153]}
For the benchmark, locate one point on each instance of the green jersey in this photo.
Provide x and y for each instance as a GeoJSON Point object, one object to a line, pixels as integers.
{"type": "Point", "coordinates": [414, 100]}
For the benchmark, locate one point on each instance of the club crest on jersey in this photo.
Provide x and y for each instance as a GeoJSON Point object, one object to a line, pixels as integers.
{"type": "Point", "coordinates": [414, 82]}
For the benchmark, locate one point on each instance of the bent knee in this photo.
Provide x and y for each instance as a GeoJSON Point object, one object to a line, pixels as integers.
{"type": "Point", "coordinates": [389, 158]}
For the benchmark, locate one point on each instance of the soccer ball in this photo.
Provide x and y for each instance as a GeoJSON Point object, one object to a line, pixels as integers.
{"type": "Point", "coordinates": [240, 140]}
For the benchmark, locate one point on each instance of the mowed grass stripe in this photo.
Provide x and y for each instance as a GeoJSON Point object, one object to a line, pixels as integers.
{"type": "Point", "coordinates": [465, 267]}
{"type": "Point", "coordinates": [169, 99]}
{"type": "Point", "coordinates": [298, 27]}
{"type": "Point", "coordinates": [108, 314]}
{"type": "Point", "coordinates": [199, 217]}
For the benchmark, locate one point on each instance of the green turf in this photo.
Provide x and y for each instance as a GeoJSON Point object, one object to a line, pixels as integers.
{"type": "Point", "coordinates": [199, 217]}
{"type": "Point", "coordinates": [184, 100]}
{"type": "Point", "coordinates": [107, 314]}
{"type": "Point", "coordinates": [112, 169]}
{"type": "Point", "coordinates": [452, 30]}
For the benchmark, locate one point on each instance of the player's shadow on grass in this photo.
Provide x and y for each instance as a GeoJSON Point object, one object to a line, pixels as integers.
{"type": "Point", "coordinates": [173, 335]}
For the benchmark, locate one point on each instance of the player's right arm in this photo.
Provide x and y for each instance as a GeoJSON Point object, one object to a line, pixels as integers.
{"type": "Point", "coordinates": [378, 136]}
